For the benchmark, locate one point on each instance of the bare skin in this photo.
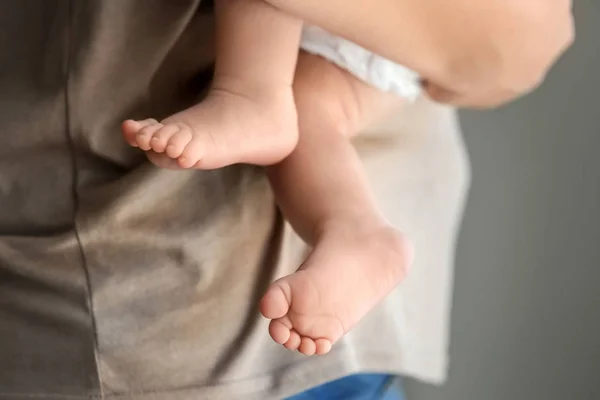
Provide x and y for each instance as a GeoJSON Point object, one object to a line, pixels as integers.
{"type": "Point", "coordinates": [249, 115]}
{"type": "Point", "coordinates": [357, 258]}
{"type": "Point", "coordinates": [471, 53]}
{"type": "Point", "coordinates": [321, 188]}
{"type": "Point", "coordinates": [232, 125]}
{"type": "Point", "coordinates": [467, 59]}
{"type": "Point", "coordinates": [254, 115]}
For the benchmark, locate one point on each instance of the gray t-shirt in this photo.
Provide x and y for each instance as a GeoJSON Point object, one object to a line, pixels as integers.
{"type": "Point", "coordinates": [121, 280]}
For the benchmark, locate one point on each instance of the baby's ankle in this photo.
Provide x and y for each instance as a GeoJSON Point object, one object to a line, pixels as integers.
{"type": "Point", "coordinates": [356, 222]}
{"type": "Point", "coordinates": [252, 88]}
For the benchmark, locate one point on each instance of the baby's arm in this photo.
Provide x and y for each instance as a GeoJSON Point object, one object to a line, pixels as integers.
{"type": "Point", "coordinates": [485, 52]}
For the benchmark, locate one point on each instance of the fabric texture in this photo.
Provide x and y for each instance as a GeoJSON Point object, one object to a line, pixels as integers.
{"type": "Point", "coordinates": [369, 67]}
{"type": "Point", "coordinates": [119, 280]}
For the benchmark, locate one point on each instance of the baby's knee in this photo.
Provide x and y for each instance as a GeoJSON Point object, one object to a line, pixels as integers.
{"type": "Point", "coordinates": [337, 98]}
{"type": "Point", "coordinates": [326, 93]}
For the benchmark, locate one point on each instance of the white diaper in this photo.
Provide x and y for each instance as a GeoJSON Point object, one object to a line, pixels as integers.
{"type": "Point", "coordinates": [375, 70]}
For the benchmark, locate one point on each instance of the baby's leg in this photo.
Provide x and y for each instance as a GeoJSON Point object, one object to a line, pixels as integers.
{"type": "Point", "coordinates": [249, 115]}
{"type": "Point", "coordinates": [322, 190]}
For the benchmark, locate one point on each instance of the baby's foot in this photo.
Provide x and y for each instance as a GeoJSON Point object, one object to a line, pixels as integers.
{"type": "Point", "coordinates": [346, 275]}
{"type": "Point", "coordinates": [233, 125]}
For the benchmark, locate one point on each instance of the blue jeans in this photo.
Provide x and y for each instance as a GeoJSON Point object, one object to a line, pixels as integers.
{"type": "Point", "coordinates": [356, 387]}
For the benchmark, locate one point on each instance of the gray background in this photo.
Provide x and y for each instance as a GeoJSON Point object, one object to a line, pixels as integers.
{"type": "Point", "coordinates": [526, 317]}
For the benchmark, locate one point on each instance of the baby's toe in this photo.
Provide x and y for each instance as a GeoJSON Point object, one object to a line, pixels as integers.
{"type": "Point", "coordinates": [307, 346]}
{"type": "Point", "coordinates": [293, 342]}
{"type": "Point", "coordinates": [145, 122]}
{"type": "Point", "coordinates": [145, 135]}
{"type": "Point", "coordinates": [161, 137]}
{"type": "Point", "coordinates": [191, 154]}
{"type": "Point", "coordinates": [131, 128]}
{"type": "Point", "coordinates": [280, 331]}
{"type": "Point", "coordinates": [178, 142]}
{"type": "Point", "coordinates": [323, 346]}
{"type": "Point", "coordinates": [276, 301]}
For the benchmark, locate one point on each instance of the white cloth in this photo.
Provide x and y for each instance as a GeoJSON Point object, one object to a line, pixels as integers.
{"type": "Point", "coordinates": [369, 67]}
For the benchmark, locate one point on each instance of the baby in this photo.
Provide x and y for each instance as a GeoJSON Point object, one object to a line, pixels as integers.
{"type": "Point", "coordinates": [295, 115]}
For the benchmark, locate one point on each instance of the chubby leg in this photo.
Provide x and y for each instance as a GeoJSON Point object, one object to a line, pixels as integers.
{"type": "Point", "coordinates": [249, 115]}
{"type": "Point", "coordinates": [357, 258]}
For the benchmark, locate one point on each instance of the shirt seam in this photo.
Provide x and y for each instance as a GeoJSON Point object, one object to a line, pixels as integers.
{"type": "Point", "coordinates": [75, 197]}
